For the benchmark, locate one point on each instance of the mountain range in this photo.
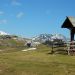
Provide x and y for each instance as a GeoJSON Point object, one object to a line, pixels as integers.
{"type": "Point", "coordinates": [42, 37]}
{"type": "Point", "coordinates": [45, 37]}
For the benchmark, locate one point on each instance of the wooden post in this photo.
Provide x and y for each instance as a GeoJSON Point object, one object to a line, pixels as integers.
{"type": "Point", "coordinates": [72, 35]}
{"type": "Point", "coordinates": [68, 48]}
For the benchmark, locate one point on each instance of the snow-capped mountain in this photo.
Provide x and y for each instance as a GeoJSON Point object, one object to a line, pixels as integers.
{"type": "Point", "coordinates": [44, 37]}
{"type": "Point", "coordinates": [3, 33]}
{"type": "Point", "coordinates": [58, 36]}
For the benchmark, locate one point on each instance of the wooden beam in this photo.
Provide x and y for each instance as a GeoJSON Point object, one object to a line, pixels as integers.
{"type": "Point", "coordinates": [72, 35]}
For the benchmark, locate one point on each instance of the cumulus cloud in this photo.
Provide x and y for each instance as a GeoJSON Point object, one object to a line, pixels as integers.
{"type": "Point", "coordinates": [20, 15]}
{"type": "Point", "coordinates": [4, 21]}
{"type": "Point", "coordinates": [15, 3]}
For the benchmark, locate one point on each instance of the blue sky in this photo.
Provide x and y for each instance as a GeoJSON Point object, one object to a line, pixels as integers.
{"type": "Point", "coordinates": [29, 18]}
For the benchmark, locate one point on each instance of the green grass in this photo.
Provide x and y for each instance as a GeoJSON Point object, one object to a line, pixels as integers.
{"type": "Point", "coordinates": [38, 62]}
{"type": "Point", "coordinates": [11, 45]}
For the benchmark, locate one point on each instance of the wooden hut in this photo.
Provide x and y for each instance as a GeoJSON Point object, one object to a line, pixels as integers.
{"type": "Point", "coordinates": [69, 23]}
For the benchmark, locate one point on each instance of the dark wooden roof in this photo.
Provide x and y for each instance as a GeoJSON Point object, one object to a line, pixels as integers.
{"type": "Point", "coordinates": [69, 22]}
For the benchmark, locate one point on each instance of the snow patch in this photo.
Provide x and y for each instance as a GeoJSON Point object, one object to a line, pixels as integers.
{"type": "Point", "coordinates": [29, 49]}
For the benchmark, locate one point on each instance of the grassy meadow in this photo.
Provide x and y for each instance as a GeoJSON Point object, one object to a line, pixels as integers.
{"type": "Point", "coordinates": [37, 62]}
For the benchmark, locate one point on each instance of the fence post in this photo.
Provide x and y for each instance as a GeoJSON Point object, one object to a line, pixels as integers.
{"type": "Point", "coordinates": [68, 48]}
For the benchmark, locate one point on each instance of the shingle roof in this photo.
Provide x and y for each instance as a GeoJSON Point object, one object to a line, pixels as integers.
{"type": "Point", "coordinates": [72, 20]}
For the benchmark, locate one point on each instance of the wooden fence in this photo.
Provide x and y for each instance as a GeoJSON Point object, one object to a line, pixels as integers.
{"type": "Point", "coordinates": [71, 47]}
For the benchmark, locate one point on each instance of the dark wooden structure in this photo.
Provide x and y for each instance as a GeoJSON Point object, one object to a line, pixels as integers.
{"type": "Point", "coordinates": [69, 23]}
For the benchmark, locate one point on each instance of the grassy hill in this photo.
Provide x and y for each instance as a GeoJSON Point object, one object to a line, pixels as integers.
{"type": "Point", "coordinates": [11, 45]}
{"type": "Point", "coordinates": [37, 62]}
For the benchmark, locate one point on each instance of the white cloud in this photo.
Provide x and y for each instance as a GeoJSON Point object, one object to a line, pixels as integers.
{"type": "Point", "coordinates": [20, 14]}
{"type": "Point", "coordinates": [4, 21]}
{"type": "Point", "coordinates": [15, 3]}
{"type": "Point", "coordinates": [1, 12]}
